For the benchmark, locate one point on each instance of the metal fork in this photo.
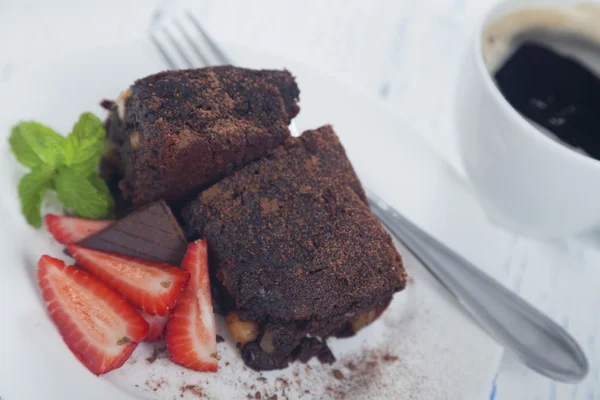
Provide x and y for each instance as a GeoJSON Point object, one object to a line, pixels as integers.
{"type": "Point", "coordinates": [539, 342]}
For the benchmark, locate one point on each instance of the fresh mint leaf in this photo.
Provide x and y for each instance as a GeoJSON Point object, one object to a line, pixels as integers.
{"type": "Point", "coordinates": [35, 144]}
{"type": "Point", "coordinates": [102, 188]}
{"type": "Point", "coordinates": [80, 195]}
{"type": "Point", "coordinates": [85, 145]}
{"type": "Point", "coordinates": [21, 149]}
{"type": "Point", "coordinates": [32, 189]}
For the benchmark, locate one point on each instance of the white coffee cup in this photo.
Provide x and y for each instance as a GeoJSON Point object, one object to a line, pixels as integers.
{"type": "Point", "coordinates": [526, 181]}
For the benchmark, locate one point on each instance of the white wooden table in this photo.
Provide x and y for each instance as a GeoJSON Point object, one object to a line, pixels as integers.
{"type": "Point", "coordinates": [406, 51]}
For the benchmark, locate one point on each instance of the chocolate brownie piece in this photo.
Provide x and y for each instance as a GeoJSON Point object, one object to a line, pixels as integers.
{"type": "Point", "coordinates": [172, 133]}
{"type": "Point", "coordinates": [295, 248]}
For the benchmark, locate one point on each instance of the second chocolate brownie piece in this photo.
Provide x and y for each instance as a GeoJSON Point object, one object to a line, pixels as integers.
{"type": "Point", "coordinates": [296, 250]}
{"type": "Point", "coordinates": [172, 133]}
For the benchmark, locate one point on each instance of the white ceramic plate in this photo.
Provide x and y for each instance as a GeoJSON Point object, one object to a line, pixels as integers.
{"type": "Point", "coordinates": [423, 347]}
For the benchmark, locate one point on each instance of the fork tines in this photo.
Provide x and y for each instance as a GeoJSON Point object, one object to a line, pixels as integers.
{"type": "Point", "coordinates": [184, 43]}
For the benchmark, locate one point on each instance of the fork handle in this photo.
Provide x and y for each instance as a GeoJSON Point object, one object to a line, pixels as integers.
{"type": "Point", "coordinates": [538, 341]}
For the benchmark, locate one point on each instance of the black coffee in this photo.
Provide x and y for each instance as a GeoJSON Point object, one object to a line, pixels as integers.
{"type": "Point", "coordinates": [555, 91]}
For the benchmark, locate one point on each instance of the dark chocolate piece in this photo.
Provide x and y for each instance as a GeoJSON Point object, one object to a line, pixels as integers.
{"type": "Point", "coordinates": [151, 233]}
{"type": "Point", "coordinates": [294, 245]}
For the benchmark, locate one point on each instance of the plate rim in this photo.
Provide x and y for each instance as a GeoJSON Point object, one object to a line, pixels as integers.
{"type": "Point", "coordinates": [368, 97]}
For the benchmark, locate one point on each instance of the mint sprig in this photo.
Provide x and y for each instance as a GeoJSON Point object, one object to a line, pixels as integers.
{"type": "Point", "coordinates": [67, 165]}
{"type": "Point", "coordinates": [32, 189]}
{"type": "Point", "coordinates": [35, 144]}
{"type": "Point", "coordinates": [77, 192]}
{"type": "Point", "coordinates": [85, 145]}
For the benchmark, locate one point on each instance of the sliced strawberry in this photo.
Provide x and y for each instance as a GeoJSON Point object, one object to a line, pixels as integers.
{"type": "Point", "coordinates": [100, 328]}
{"type": "Point", "coordinates": [150, 286]}
{"type": "Point", "coordinates": [191, 332]}
{"type": "Point", "coordinates": [157, 325]}
{"type": "Point", "coordinates": [67, 230]}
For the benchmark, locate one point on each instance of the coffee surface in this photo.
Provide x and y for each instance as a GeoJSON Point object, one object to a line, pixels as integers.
{"type": "Point", "coordinates": [555, 91]}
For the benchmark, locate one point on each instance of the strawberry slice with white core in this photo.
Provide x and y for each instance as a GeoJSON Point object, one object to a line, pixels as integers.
{"type": "Point", "coordinates": [100, 328]}
{"type": "Point", "coordinates": [150, 286]}
{"type": "Point", "coordinates": [156, 325]}
{"type": "Point", "coordinates": [67, 230]}
{"type": "Point", "coordinates": [191, 332]}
